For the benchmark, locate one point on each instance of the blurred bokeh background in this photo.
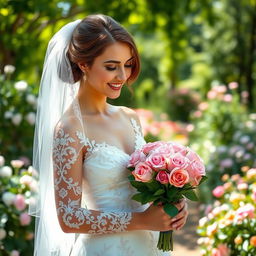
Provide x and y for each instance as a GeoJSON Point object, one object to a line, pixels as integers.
{"type": "Point", "coordinates": [196, 87]}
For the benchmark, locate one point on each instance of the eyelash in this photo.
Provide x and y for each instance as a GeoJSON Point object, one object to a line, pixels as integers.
{"type": "Point", "coordinates": [114, 68]}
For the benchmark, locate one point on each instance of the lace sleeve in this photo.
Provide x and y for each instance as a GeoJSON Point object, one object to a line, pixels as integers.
{"type": "Point", "coordinates": [67, 165]}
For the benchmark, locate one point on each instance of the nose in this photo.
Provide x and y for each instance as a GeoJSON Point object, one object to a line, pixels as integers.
{"type": "Point", "coordinates": [122, 74]}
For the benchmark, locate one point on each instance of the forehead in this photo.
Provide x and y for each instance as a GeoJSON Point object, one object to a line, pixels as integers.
{"type": "Point", "coordinates": [116, 51]}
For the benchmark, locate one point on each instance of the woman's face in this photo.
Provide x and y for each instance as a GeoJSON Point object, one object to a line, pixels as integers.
{"type": "Point", "coordinates": [110, 70]}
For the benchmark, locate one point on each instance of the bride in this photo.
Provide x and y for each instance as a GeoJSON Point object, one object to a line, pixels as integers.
{"type": "Point", "coordinates": [82, 146]}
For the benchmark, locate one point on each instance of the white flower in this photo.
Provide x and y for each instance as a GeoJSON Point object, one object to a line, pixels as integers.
{"type": "Point", "coordinates": [9, 69]}
{"type": "Point", "coordinates": [2, 160]}
{"type": "Point", "coordinates": [16, 119]}
{"type": "Point", "coordinates": [2, 233]}
{"type": "Point", "coordinates": [31, 118]}
{"type": "Point", "coordinates": [245, 139]}
{"type": "Point", "coordinates": [31, 99]}
{"type": "Point", "coordinates": [8, 114]}
{"type": "Point", "coordinates": [8, 198]}
{"type": "Point", "coordinates": [17, 163]}
{"type": "Point", "coordinates": [5, 171]}
{"type": "Point", "coordinates": [21, 85]}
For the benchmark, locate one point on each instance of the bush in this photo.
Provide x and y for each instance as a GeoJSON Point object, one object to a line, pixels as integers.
{"type": "Point", "coordinates": [180, 103]}
{"type": "Point", "coordinates": [229, 227]}
{"type": "Point", "coordinates": [18, 105]}
{"type": "Point", "coordinates": [230, 158]}
{"type": "Point", "coordinates": [16, 226]}
{"type": "Point", "coordinates": [216, 121]}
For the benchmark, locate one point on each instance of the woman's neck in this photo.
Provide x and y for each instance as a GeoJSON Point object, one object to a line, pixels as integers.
{"type": "Point", "coordinates": [91, 101]}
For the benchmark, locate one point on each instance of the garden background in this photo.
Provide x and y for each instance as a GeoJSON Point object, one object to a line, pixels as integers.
{"type": "Point", "coordinates": [197, 87]}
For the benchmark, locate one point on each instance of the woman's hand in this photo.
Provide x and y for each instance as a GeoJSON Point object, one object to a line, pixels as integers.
{"type": "Point", "coordinates": [155, 218]}
{"type": "Point", "coordinates": [180, 219]}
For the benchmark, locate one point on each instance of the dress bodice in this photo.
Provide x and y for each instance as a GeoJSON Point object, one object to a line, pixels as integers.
{"type": "Point", "coordinates": [105, 184]}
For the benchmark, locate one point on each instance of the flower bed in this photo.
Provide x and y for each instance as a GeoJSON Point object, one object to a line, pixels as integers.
{"type": "Point", "coordinates": [229, 227]}
{"type": "Point", "coordinates": [16, 225]}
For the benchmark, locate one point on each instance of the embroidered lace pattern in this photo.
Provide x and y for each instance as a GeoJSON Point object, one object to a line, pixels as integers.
{"type": "Point", "coordinates": [68, 182]}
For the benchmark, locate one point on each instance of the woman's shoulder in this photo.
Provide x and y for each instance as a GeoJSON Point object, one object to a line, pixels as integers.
{"type": "Point", "coordinates": [129, 112]}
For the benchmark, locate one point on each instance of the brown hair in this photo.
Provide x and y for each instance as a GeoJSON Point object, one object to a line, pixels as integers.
{"type": "Point", "coordinates": [91, 37]}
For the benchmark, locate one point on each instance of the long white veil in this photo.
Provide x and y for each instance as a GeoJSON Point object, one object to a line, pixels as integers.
{"type": "Point", "coordinates": [57, 92]}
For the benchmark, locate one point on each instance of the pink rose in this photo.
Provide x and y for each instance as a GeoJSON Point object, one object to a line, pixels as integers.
{"type": "Point", "coordinates": [245, 211]}
{"type": "Point", "coordinates": [222, 250]}
{"type": "Point", "coordinates": [147, 148]}
{"type": "Point", "coordinates": [178, 148]}
{"type": "Point", "coordinates": [25, 219]}
{"type": "Point", "coordinates": [178, 177]}
{"type": "Point", "coordinates": [177, 160]}
{"type": "Point", "coordinates": [193, 156]}
{"type": "Point", "coordinates": [19, 202]}
{"type": "Point", "coordinates": [218, 191]}
{"type": "Point", "coordinates": [162, 177]}
{"type": "Point", "coordinates": [136, 158]}
{"type": "Point", "coordinates": [142, 172]}
{"type": "Point", "coordinates": [196, 170]}
{"type": "Point", "coordinates": [157, 161]}
{"type": "Point", "coordinates": [164, 149]}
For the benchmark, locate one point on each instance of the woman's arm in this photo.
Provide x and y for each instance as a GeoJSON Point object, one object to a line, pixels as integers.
{"type": "Point", "coordinates": [68, 153]}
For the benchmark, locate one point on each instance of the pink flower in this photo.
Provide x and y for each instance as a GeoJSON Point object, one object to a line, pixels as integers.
{"type": "Point", "coordinates": [245, 211]}
{"type": "Point", "coordinates": [17, 163]}
{"type": "Point", "coordinates": [157, 161]}
{"type": "Point", "coordinates": [151, 146]}
{"type": "Point", "coordinates": [162, 177]}
{"type": "Point", "coordinates": [142, 172]}
{"type": "Point", "coordinates": [196, 170]}
{"type": "Point", "coordinates": [136, 158]}
{"type": "Point", "coordinates": [218, 191]}
{"type": "Point", "coordinates": [26, 180]}
{"type": "Point", "coordinates": [14, 253]}
{"type": "Point", "coordinates": [164, 149]}
{"type": "Point", "coordinates": [19, 202]}
{"type": "Point", "coordinates": [177, 160]}
{"type": "Point", "coordinates": [25, 219]}
{"type": "Point", "coordinates": [222, 250]}
{"type": "Point", "coordinates": [178, 177]}
{"type": "Point", "coordinates": [178, 148]}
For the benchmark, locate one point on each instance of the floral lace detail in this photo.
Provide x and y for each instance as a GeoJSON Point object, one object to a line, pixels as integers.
{"type": "Point", "coordinates": [68, 189]}
{"type": "Point", "coordinates": [139, 140]}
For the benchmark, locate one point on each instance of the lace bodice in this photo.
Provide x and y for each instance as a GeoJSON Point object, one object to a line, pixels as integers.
{"type": "Point", "coordinates": [92, 191]}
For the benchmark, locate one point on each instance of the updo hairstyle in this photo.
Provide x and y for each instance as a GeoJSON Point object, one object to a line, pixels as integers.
{"type": "Point", "coordinates": [91, 37]}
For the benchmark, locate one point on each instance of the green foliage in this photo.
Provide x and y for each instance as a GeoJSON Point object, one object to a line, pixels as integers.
{"type": "Point", "coordinates": [230, 224]}
{"type": "Point", "coordinates": [16, 227]}
{"type": "Point", "coordinates": [181, 103]}
{"type": "Point", "coordinates": [18, 106]}
{"type": "Point", "coordinates": [215, 121]}
{"type": "Point", "coordinates": [232, 157]}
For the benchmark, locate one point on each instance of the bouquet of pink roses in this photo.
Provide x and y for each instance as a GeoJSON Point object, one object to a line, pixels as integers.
{"type": "Point", "coordinates": [164, 173]}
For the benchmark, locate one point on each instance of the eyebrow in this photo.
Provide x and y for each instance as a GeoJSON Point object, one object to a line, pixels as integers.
{"type": "Point", "coordinates": [116, 61]}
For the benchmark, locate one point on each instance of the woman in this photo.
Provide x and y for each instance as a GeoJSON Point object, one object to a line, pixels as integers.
{"type": "Point", "coordinates": [90, 142]}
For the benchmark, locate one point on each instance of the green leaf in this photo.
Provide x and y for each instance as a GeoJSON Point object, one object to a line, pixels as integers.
{"type": "Point", "coordinates": [171, 210]}
{"type": "Point", "coordinates": [204, 178]}
{"type": "Point", "coordinates": [171, 193]}
{"type": "Point", "coordinates": [159, 192]}
{"type": "Point", "coordinates": [153, 185]}
{"type": "Point", "coordinates": [138, 197]}
{"type": "Point", "coordinates": [131, 177]}
{"type": "Point", "coordinates": [191, 195]}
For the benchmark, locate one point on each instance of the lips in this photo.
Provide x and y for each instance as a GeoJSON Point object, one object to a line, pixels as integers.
{"type": "Point", "coordinates": [115, 86]}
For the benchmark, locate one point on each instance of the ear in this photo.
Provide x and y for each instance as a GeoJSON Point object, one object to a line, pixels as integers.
{"type": "Point", "coordinates": [83, 67]}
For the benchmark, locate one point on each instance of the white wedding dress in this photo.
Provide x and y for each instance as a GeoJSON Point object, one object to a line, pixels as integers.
{"type": "Point", "coordinates": [105, 188]}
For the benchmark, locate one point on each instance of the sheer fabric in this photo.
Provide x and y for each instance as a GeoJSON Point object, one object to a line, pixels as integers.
{"type": "Point", "coordinates": [93, 194]}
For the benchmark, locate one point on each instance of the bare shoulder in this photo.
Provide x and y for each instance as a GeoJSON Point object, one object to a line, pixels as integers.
{"type": "Point", "coordinates": [130, 113]}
